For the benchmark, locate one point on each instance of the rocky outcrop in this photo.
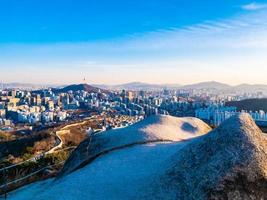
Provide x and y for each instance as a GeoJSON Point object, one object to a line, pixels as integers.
{"type": "Point", "coordinates": [159, 128]}
{"type": "Point", "coordinates": [228, 163]}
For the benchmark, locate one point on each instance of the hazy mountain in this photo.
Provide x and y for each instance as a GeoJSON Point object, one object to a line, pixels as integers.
{"type": "Point", "coordinates": [78, 87]}
{"type": "Point", "coordinates": [146, 86]}
{"type": "Point", "coordinates": [250, 87]}
{"type": "Point", "coordinates": [213, 85]}
{"type": "Point", "coordinates": [137, 86]}
{"type": "Point", "coordinates": [207, 85]}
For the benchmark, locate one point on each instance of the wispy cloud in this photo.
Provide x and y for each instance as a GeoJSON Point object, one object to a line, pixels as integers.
{"type": "Point", "coordinates": [254, 6]}
{"type": "Point", "coordinates": [219, 49]}
{"type": "Point", "coordinates": [241, 32]}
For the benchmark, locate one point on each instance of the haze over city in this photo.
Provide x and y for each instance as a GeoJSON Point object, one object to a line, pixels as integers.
{"type": "Point", "coordinates": [120, 41]}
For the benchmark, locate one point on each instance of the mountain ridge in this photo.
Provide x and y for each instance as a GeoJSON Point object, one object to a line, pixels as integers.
{"type": "Point", "coordinates": [196, 86]}
{"type": "Point", "coordinates": [207, 85]}
{"type": "Point", "coordinates": [137, 86]}
{"type": "Point", "coordinates": [79, 87]}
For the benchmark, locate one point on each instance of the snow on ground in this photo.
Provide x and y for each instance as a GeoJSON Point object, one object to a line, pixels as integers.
{"type": "Point", "coordinates": [121, 174]}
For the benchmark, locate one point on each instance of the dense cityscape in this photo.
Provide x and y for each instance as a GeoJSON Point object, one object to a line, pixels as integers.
{"type": "Point", "coordinates": [37, 109]}
{"type": "Point", "coordinates": [39, 128]}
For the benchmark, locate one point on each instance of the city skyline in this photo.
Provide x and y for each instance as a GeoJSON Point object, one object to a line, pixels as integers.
{"type": "Point", "coordinates": [153, 41]}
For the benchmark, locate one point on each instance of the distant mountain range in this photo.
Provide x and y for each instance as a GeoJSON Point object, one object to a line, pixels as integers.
{"type": "Point", "coordinates": [137, 86]}
{"type": "Point", "coordinates": [251, 87]}
{"type": "Point", "coordinates": [208, 85]}
{"type": "Point", "coordinates": [213, 85]}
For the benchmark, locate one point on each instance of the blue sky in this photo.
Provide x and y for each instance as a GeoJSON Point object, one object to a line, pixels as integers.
{"type": "Point", "coordinates": [156, 41]}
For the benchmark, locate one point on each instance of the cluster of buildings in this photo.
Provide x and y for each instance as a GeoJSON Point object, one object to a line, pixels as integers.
{"type": "Point", "coordinates": [25, 107]}
{"type": "Point", "coordinates": [215, 114]}
{"type": "Point", "coordinates": [138, 103]}
{"type": "Point", "coordinates": [47, 106]}
{"type": "Point", "coordinates": [50, 106]}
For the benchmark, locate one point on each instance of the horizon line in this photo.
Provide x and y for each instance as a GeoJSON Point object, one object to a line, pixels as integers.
{"type": "Point", "coordinates": [130, 82]}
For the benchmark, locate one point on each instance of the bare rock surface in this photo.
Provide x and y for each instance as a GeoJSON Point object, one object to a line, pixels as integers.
{"type": "Point", "coordinates": [158, 128]}
{"type": "Point", "coordinates": [229, 162]}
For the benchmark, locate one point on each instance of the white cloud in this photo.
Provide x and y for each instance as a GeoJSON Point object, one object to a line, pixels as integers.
{"type": "Point", "coordinates": [218, 49]}
{"type": "Point", "coordinates": [254, 6]}
{"type": "Point", "coordinates": [245, 32]}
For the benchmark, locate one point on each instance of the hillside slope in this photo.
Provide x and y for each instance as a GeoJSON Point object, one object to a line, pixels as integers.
{"type": "Point", "coordinates": [249, 104]}
{"type": "Point", "coordinates": [79, 87]}
{"type": "Point", "coordinates": [227, 163]}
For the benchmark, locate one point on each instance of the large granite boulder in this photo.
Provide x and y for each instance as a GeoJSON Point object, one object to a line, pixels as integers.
{"type": "Point", "coordinates": [228, 163]}
{"type": "Point", "coordinates": [158, 128]}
